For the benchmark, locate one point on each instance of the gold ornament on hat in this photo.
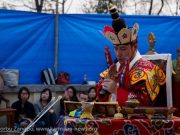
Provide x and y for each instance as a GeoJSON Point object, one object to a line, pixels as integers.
{"type": "Point", "coordinates": [112, 7]}
{"type": "Point", "coordinates": [119, 34]}
{"type": "Point", "coordinates": [134, 32]}
{"type": "Point", "coordinates": [112, 37]}
{"type": "Point", "coordinates": [124, 36]}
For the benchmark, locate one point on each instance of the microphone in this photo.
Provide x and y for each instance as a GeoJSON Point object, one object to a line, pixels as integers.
{"type": "Point", "coordinates": [103, 93]}
{"type": "Point", "coordinates": [109, 62]}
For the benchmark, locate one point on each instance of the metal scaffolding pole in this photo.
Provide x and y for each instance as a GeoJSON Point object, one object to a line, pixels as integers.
{"type": "Point", "coordinates": [56, 39]}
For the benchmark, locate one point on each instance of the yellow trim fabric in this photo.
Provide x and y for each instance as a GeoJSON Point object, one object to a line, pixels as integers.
{"type": "Point", "coordinates": [153, 78]}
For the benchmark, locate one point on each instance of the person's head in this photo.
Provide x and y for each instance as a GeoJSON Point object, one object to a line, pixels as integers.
{"type": "Point", "coordinates": [46, 95]}
{"type": "Point", "coordinates": [23, 94]}
{"type": "Point", "coordinates": [123, 39]}
{"type": "Point", "coordinates": [92, 93]}
{"type": "Point", "coordinates": [71, 92]}
{"type": "Point", "coordinates": [83, 97]}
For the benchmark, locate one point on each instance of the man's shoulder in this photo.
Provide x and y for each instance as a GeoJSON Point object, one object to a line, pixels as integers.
{"type": "Point", "coordinates": [146, 71]}
{"type": "Point", "coordinates": [142, 70]}
{"type": "Point", "coordinates": [145, 68]}
{"type": "Point", "coordinates": [143, 64]}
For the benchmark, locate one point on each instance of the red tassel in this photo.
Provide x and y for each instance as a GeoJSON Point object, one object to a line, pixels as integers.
{"type": "Point", "coordinates": [108, 29]}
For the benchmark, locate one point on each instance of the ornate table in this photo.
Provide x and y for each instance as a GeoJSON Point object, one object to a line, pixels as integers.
{"type": "Point", "coordinates": [109, 126]}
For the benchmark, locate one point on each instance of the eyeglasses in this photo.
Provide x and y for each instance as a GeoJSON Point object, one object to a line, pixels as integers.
{"type": "Point", "coordinates": [24, 93]}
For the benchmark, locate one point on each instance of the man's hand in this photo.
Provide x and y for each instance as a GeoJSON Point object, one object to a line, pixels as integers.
{"type": "Point", "coordinates": [109, 85]}
{"type": "Point", "coordinates": [24, 124]}
{"type": "Point", "coordinates": [51, 111]}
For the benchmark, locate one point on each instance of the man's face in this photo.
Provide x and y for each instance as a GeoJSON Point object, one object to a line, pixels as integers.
{"type": "Point", "coordinates": [83, 98]}
{"type": "Point", "coordinates": [122, 52]}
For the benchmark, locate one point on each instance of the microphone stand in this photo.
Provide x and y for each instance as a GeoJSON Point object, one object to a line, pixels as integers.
{"type": "Point", "coordinates": [45, 109]}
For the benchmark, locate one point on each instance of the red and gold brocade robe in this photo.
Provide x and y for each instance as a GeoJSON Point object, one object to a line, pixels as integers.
{"type": "Point", "coordinates": [144, 80]}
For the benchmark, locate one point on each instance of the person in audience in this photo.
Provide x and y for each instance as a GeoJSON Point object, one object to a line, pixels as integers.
{"type": "Point", "coordinates": [131, 76]}
{"type": "Point", "coordinates": [83, 97]}
{"type": "Point", "coordinates": [25, 111]}
{"type": "Point", "coordinates": [48, 120]}
{"type": "Point", "coordinates": [69, 95]}
{"type": "Point", "coordinates": [2, 98]}
{"type": "Point", "coordinates": [92, 94]}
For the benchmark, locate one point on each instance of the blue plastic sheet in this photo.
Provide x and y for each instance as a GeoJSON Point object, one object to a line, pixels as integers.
{"type": "Point", "coordinates": [82, 45]}
{"type": "Point", "coordinates": [27, 42]}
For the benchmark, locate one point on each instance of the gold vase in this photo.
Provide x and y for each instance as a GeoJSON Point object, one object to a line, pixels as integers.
{"type": "Point", "coordinates": [152, 41]}
{"type": "Point", "coordinates": [87, 110]}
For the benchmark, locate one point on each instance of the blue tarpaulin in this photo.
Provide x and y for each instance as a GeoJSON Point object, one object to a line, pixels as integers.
{"type": "Point", "coordinates": [27, 42]}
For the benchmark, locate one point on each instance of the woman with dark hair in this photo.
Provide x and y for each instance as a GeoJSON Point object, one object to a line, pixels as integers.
{"type": "Point", "coordinates": [92, 94]}
{"type": "Point", "coordinates": [48, 120]}
{"type": "Point", "coordinates": [69, 95]}
{"type": "Point", "coordinates": [72, 93]}
{"type": "Point", "coordinates": [25, 110]}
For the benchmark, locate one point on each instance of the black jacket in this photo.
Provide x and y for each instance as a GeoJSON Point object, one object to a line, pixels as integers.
{"type": "Point", "coordinates": [28, 110]}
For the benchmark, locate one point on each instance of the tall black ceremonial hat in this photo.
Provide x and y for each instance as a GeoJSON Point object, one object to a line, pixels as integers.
{"type": "Point", "coordinates": [119, 33]}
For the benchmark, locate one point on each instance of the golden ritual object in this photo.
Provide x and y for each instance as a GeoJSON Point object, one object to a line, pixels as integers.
{"type": "Point", "coordinates": [150, 112]}
{"type": "Point", "coordinates": [132, 101]}
{"type": "Point", "coordinates": [152, 41]}
{"type": "Point", "coordinates": [118, 115]}
{"type": "Point", "coordinates": [87, 110]}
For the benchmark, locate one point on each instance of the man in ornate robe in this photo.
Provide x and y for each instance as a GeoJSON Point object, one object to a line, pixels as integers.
{"type": "Point", "coordinates": [131, 73]}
